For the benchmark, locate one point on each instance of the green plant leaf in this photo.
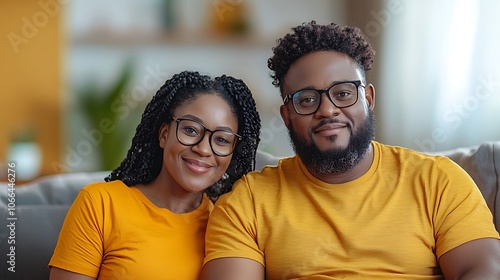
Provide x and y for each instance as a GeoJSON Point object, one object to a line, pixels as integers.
{"type": "Point", "coordinates": [96, 104]}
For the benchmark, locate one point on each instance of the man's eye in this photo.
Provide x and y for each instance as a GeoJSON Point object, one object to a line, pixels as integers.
{"type": "Point", "coordinates": [191, 131]}
{"type": "Point", "coordinates": [343, 95]}
{"type": "Point", "coordinates": [307, 100]}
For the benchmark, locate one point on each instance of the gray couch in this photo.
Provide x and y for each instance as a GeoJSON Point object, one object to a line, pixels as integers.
{"type": "Point", "coordinates": [42, 205]}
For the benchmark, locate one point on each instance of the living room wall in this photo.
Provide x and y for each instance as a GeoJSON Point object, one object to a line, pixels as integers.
{"type": "Point", "coordinates": [31, 76]}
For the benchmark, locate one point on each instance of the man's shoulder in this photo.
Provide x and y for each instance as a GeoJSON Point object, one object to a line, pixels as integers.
{"type": "Point", "coordinates": [270, 176]}
{"type": "Point", "coordinates": [403, 152]}
{"type": "Point", "coordinates": [280, 165]}
{"type": "Point", "coordinates": [411, 158]}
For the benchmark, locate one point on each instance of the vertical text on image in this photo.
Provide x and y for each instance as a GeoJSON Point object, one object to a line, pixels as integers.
{"type": "Point", "coordinates": [11, 217]}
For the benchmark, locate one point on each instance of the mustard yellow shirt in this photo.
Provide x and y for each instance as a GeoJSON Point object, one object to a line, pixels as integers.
{"type": "Point", "coordinates": [391, 223]}
{"type": "Point", "coordinates": [114, 232]}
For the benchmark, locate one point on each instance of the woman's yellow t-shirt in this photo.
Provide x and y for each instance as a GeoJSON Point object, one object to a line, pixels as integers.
{"type": "Point", "coordinates": [113, 231]}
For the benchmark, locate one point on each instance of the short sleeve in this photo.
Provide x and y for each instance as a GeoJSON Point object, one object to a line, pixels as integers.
{"type": "Point", "coordinates": [231, 230]}
{"type": "Point", "coordinates": [80, 245]}
{"type": "Point", "coordinates": [461, 213]}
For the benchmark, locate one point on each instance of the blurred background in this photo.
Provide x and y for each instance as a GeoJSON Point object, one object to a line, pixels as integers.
{"type": "Point", "coordinates": [76, 75]}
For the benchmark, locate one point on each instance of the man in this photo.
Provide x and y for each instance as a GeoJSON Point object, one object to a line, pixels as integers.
{"type": "Point", "coordinates": [346, 206]}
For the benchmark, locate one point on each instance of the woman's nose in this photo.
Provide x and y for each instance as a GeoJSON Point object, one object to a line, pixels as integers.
{"type": "Point", "coordinates": [203, 148]}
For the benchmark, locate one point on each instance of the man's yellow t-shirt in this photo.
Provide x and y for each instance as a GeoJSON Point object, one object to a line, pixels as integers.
{"type": "Point", "coordinates": [393, 222]}
{"type": "Point", "coordinates": [113, 231]}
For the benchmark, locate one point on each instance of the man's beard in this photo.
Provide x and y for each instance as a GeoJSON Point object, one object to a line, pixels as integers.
{"type": "Point", "coordinates": [337, 160]}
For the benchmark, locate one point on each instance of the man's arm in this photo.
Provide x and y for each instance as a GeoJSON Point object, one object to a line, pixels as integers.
{"type": "Point", "coordinates": [477, 259]}
{"type": "Point", "coordinates": [232, 268]}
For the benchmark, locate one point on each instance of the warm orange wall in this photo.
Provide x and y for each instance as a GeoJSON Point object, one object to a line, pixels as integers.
{"type": "Point", "coordinates": [30, 75]}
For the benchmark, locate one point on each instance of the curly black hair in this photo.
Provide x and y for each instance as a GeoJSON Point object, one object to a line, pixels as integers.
{"type": "Point", "coordinates": [311, 37]}
{"type": "Point", "coordinates": [145, 157]}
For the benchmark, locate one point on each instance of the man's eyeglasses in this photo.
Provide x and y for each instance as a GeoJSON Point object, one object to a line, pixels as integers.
{"type": "Point", "coordinates": [307, 101]}
{"type": "Point", "coordinates": [190, 132]}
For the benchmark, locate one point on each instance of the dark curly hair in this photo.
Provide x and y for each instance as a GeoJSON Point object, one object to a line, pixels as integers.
{"type": "Point", "coordinates": [145, 157]}
{"type": "Point", "coordinates": [311, 37]}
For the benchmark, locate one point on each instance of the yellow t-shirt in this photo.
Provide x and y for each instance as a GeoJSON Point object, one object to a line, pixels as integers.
{"type": "Point", "coordinates": [391, 223]}
{"type": "Point", "coordinates": [114, 232]}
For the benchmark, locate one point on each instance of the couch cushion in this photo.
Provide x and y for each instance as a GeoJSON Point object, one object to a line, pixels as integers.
{"type": "Point", "coordinates": [35, 234]}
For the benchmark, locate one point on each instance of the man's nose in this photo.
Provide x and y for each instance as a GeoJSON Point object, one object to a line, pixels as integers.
{"type": "Point", "coordinates": [326, 107]}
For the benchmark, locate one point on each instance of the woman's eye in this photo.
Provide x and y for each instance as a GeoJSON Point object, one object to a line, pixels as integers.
{"type": "Point", "coordinates": [222, 141]}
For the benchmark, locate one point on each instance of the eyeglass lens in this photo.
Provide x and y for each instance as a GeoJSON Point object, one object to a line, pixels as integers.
{"type": "Point", "coordinates": [190, 133]}
{"type": "Point", "coordinates": [342, 95]}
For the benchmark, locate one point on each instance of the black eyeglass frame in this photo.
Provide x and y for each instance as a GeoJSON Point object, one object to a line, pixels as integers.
{"type": "Point", "coordinates": [289, 96]}
{"type": "Point", "coordinates": [178, 120]}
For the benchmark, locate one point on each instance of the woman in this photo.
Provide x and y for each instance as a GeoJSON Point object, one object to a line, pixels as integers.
{"type": "Point", "coordinates": [197, 136]}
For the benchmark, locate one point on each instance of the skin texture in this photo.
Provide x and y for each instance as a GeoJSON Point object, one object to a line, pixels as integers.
{"type": "Point", "coordinates": [319, 70]}
{"type": "Point", "coordinates": [233, 268]}
{"type": "Point", "coordinates": [61, 274]}
{"type": "Point", "coordinates": [478, 259]}
{"type": "Point", "coordinates": [187, 170]}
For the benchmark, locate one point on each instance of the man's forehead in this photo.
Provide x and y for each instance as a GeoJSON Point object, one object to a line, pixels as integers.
{"type": "Point", "coordinates": [323, 67]}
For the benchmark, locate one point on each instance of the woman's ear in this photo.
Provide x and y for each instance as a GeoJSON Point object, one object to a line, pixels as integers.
{"type": "Point", "coordinates": [162, 134]}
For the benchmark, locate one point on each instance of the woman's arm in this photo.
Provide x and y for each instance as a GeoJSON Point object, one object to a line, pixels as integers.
{"type": "Point", "coordinates": [61, 274]}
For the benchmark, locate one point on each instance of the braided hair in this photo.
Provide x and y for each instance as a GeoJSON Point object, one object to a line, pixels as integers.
{"type": "Point", "coordinates": [311, 37]}
{"type": "Point", "coordinates": [144, 159]}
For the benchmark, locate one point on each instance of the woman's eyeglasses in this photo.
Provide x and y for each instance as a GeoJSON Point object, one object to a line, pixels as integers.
{"type": "Point", "coordinates": [190, 132]}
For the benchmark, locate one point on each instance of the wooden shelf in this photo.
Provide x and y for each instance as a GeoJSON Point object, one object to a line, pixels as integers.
{"type": "Point", "coordinates": [176, 38]}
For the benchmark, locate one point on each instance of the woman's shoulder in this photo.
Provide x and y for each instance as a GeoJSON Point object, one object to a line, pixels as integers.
{"type": "Point", "coordinates": [105, 188]}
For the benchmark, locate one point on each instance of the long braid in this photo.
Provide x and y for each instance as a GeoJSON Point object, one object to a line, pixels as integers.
{"type": "Point", "coordinates": [145, 157]}
{"type": "Point", "coordinates": [243, 160]}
